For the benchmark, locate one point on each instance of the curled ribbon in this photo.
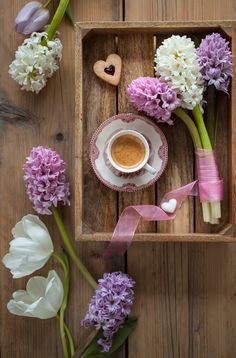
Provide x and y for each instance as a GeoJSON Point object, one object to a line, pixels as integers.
{"type": "Point", "coordinates": [209, 187]}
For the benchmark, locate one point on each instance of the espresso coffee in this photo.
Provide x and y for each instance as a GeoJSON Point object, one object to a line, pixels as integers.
{"type": "Point", "coordinates": [128, 151]}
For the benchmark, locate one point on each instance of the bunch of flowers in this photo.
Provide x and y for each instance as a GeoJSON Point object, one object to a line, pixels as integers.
{"type": "Point", "coordinates": [36, 60]}
{"type": "Point", "coordinates": [38, 57]}
{"type": "Point", "coordinates": [32, 247]}
{"type": "Point", "coordinates": [110, 306]}
{"type": "Point", "coordinates": [185, 72]}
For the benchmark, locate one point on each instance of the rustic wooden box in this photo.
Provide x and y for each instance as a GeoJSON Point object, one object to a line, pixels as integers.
{"type": "Point", "coordinates": [97, 208]}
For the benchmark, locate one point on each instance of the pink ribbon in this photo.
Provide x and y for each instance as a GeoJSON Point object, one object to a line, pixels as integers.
{"type": "Point", "coordinates": [209, 187]}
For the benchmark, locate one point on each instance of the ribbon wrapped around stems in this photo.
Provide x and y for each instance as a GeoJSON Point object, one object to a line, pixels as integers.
{"type": "Point", "coordinates": [209, 187]}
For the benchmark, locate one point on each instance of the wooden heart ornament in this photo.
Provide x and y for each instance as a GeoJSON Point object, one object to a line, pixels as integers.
{"type": "Point", "coordinates": [110, 69]}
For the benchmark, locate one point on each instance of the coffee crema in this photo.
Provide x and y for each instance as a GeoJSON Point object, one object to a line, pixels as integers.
{"type": "Point", "coordinates": [128, 151]}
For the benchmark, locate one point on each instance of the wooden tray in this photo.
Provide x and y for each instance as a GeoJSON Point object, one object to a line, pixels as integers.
{"type": "Point", "coordinates": [97, 208]}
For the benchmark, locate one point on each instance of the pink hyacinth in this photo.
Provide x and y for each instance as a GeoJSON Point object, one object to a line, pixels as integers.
{"type": "Point", "coordinates": [45, 179]}
{"type": "Point", "coordinates": [154, 97]}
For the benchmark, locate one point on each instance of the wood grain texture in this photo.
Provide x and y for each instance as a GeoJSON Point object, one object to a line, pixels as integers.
{"type": "Point", "coordinates": [27, 120]}
{"type": "Point", "coordinates": [136, 62]}
{"type": "Point", "coordinates": [185, 287]}
{"type": "Point", "coordinates": [185, 293]}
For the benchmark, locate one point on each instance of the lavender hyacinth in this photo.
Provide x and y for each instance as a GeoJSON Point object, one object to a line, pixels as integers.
{"type": "Point", "coordinates": [215, 59]}
{"type": "Point", "coordinates": [110, 305]}
{"type": "Point", "coordinates": [153, 97]}
{"type": "Point", "coordinates": [45, 179]}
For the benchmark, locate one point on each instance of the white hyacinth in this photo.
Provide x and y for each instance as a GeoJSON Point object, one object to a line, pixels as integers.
{"type": "Point", "coordinates": [36, 60]}
{"type": "Point", "coordinates": [176, 63]}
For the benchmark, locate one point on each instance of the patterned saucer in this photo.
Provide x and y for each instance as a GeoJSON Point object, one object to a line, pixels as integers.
{"type": "Point", "coordinates": [128, 182]}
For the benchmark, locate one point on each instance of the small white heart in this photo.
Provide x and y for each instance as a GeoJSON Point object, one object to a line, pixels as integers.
{"type": "Point", "coordinates": [169, 206]}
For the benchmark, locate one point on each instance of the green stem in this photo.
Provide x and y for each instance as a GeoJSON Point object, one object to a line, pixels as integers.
{"type": "Point", "coordinates": [211, 122]}
{"type": "Point", "coordinates": [206, 143]}
{"type": "Point", "coordinates": [46, 4]}
{"type": "Point", "coordinates": [58, 16]}
{"type": "Point", "coordinates": [70, 248]}
{"type": "Point", "coordinates": [65, 266]}
{"type": "Point", "coordinates": [62, 333]}
{"type": "Point", "coordinates": [190, 125]}
{"type": "Point", "coordinates": [69, 336]}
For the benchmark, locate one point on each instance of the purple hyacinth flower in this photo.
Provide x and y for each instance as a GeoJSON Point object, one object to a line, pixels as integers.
{"type": "Point", "coordinates": [45, 179]}
{"type": "Point", "coordinates": [110, 306]}
{"type": "Point", "coordinates": [215, 59]}
{"type": "Point", "coordinates": [154, 97]}
{"type": "Point", "coordinates": [32, 17]}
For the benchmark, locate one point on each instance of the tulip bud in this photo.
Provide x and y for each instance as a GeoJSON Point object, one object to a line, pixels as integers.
{"type": "Point", "coordinates": [32, 17]}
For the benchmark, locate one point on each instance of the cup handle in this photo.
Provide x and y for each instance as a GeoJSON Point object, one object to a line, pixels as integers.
{"type": "Point", "coordinates": [150, 169]}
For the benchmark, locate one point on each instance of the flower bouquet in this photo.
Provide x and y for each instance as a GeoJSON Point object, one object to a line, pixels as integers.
{"type": "Point", "coordinates": [183, 73]}
{"type": "Point", "coordinates": [38, 57]}
{"type": "Point", "coordinates": [31, 249]}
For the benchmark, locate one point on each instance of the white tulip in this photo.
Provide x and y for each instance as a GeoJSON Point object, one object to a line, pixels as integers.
{"type": "Point", "coordinates": [42, 298]}
{"type": "Point", "coordinates": [31, 248]}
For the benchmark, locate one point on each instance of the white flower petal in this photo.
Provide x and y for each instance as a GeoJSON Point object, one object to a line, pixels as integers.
{"type": "Point", "coordinates": [36, 229]}
{"type": "Point", "coordinates": [18, 308]}
{"type": "Point", "coordinates": [41, 309]}
{"type": "Point", "coordinates": [36, 286]}
{"type": "Point", "coordinates": [23, 296]}
{"type": "Point", "coordinates": [31, 249]}
{"type": "Point", "coordinates": [18, 230]}
{"type": "Point", "coordinates": [54, 290]}
{"type": "Point", "coordinates": [42, 298]}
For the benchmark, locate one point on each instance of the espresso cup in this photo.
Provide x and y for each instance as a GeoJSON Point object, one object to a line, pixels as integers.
{"type": "Point", "coordinates": [128, 152]}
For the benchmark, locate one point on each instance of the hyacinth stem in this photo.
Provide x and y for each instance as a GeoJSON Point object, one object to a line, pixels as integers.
{"type": "Point", "coordinates": [206, 213]}
{"type": "Point", "coordinates": [190, 125]}
{"type": "Point", "coordinates": [206, 143]}
{"type": "Point", "coordinates": [215, 207]}
{"type": "Point", "coordinates": [56, 20]}
{"type": "Point", "coordinates": [211, 123]}
{"type": "Point", "coordinates": [70, 248]}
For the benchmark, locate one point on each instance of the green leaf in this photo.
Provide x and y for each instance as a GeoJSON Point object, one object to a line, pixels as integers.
{"type": "Point", "coordinates": [94, 350]}
{"type": "Point", "coordinates": [69, 14]}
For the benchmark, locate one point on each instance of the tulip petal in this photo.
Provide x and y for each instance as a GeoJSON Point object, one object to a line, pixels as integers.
{"type": "Point", "coordinates": [54, 290]}
{"type": "Point", "coordinates": [36, 229]}
{"type": "Point", "coordinates": [36, 286]}
{"type": "Point", "coordinates": [23, 296]}
{"type": "Point", "coordinates": [37, 21]}
{"type": "Point", "coordinates": [18, 230]}
{"type": "Point", "coordinates": [20, 266]}
{"type": "Point", "coordinates": [41, 309]}
{"type": "Point", "coordinates": [18, 308]}
{"type": "Point", "coordinates": [25, 13]}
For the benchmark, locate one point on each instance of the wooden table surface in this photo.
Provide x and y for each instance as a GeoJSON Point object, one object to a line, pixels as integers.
{"type": "Point", "coordinates": [185, 293]}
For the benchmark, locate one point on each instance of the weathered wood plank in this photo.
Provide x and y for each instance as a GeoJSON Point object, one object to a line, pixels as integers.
{"type": "Point", "coordinates": [185, 271]}
{"type": "Point", "coordinates": [98, 213]}
{"type": "Point", "coordinates": [28, 120]}
{"type": "Point", "coordinates": [136, 51]}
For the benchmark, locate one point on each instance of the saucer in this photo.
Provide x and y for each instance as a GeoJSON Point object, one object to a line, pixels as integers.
{"type": "Point", "coordinates": [103, 169]}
